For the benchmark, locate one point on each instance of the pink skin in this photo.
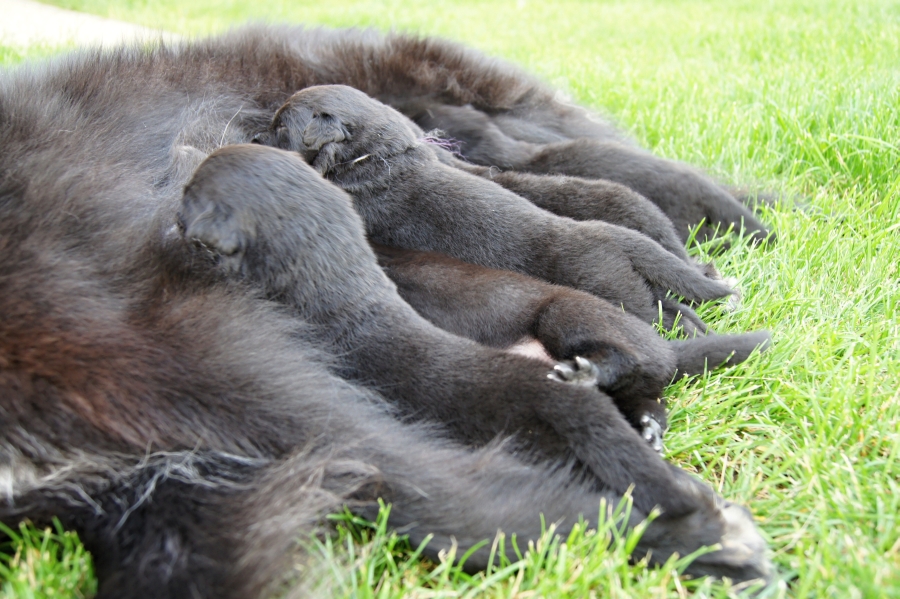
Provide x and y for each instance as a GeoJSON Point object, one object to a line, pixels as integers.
{"type": "Point", "coordinates": [531, 348]}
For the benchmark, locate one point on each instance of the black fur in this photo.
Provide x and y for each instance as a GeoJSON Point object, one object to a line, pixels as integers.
{"type": "Point", "coordinates": [192, 394]}
{"type": "Point", "coordinates": [587, 199]}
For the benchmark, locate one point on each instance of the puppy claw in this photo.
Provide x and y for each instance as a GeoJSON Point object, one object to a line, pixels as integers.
{"type": "Point", "coordinates": [652, 432]}
{"type": "Point", "coordinates": [583, 363]}
{"type": "Point", "coordinates": [733, 303]}
{"type": "Point", "coordinates": [580, 371]}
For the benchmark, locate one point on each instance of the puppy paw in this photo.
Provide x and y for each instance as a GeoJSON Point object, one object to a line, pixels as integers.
{"type": "Point", "coordinates": [652, 432]}
{"type": "Point", "coordinates": [742, 555]}
{"type": "Point", "coordinates": [733, 303]}
{"type": "Point", "coordinates": [580, 371]}
{"type": "Point", "coordinates": [739, 553]}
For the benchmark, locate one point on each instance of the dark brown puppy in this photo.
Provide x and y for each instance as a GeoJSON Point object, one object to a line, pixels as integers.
{"type": "Point", "coordinates": [585, 199]}
{"type": "Point", "coordinates": [409, 198]}
{"type": "Point", "coordinates": [502, 309]}
{"type": "Point", "coordinates": [532, 138]}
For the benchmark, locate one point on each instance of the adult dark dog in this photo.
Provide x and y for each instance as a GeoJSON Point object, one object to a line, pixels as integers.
{"type": "Point", "coordinates": [186, 377]}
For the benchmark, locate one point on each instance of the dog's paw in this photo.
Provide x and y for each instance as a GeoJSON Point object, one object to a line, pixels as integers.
{"type": "Point", "coordinates": [580, 371]}
{"type": "Point", "coordinates": [652, 432]}
{"type": "Point", "coordinates": [742, 555]}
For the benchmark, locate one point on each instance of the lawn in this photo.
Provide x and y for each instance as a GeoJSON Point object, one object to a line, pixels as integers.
{"type": "Point", "coordinates": [802, 98]}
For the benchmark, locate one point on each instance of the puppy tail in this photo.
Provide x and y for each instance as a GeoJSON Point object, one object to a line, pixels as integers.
{"type": "Point", "coordinates": [696, 355]}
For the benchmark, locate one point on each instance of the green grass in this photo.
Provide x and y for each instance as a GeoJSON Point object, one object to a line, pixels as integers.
{"type": "Point", "coordinates": [10, 56]}
{"type": "Point", "coordinates": [44, 563]}
{"type": "Point", "coordinates": [364, 560]}
{"type": "Point", "coordinates": [799, 97]}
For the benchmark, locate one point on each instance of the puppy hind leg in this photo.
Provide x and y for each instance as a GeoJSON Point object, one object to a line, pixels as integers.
{"type": "Point", "coordinates": [599, 344]}
{"type": "Point", "coordinates": [476, 493]}
{"type": "Point", "coordinates": [687, 196]}
{"type": "Point", "coordinates": [592, 199]}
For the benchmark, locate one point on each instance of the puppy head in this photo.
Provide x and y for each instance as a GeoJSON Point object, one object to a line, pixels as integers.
{"type": "Point", "coordinates": [331, 125]}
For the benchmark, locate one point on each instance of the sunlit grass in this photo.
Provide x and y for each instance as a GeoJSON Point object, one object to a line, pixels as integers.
{"type": "Point", "coordinates": [39, 564]}
{"type": "Point", "coordinates": [366, 560]}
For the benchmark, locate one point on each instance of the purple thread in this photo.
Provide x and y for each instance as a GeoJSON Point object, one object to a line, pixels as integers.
{"type": "Point", "coordinates": [454, 146]}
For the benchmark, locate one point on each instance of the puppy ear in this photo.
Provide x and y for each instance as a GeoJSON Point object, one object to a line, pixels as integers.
{"type": "Point", "coordinates": [323, 129]}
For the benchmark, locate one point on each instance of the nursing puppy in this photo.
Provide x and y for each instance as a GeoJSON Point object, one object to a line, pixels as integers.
{"type": "Point", "coordinates": [249, 205]}
{"type": "Point", "coordinates": [409, 198]}
{"type": "Point", "coordinates": [533, 138]}
{"type": "Point", "coordinates": [627, 358]}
